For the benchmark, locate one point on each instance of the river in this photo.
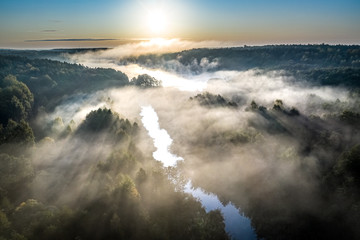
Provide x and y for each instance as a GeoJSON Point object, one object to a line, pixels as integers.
{"type": "Point", "coordinates": [236, 224]}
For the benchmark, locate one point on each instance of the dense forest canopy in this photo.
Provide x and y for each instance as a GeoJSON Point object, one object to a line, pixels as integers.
{"type": "Point", "coordinates": [271, 56]}
{"type": "Point", "coordinates": [318, 64]}
{"type": "Point", "coordinates": [51, 81]}
{"type": "Point", "coordinates": [292, 169]}
{"type": "Point", "coordinates": [122, 187]}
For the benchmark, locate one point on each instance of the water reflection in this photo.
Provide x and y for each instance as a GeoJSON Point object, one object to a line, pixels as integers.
{"type": "Point", "coordinates": [236, 225]}
{"type": "Point", "coordinates": [161, 138]}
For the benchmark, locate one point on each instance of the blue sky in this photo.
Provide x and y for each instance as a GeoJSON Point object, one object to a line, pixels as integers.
{"type": "Point", "coordinates": [246, 21]}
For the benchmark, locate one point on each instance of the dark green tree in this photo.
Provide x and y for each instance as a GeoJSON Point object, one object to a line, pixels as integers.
{"type": "Point", "coordinates": [15, 100]}
{"type": "Point", "coordinates": [146, 81]}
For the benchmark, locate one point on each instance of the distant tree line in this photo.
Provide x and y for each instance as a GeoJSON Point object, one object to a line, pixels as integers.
{"type": "Point", "coordinates": [50, 81]}
{"type": "Point", "coordinates": [317, 64]}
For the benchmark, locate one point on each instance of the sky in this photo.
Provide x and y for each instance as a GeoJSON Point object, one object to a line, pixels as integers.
{"type": "Point", "coordinates": [82, 23]}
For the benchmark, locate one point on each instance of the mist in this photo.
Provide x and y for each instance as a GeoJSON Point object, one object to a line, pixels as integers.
{"type": "Point", "coordinates": [261, 141]}
{"type": "Point", "coordinates": [264, 163]}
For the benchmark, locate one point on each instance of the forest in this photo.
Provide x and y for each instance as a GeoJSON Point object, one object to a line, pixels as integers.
{"type": "Point", "coordinates": [76, 162]}
{"type": "Point", "coordinates": [317, 64]}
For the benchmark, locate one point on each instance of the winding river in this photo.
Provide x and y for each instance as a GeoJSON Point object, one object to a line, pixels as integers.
{"type": "Point", "coordinates": [236, 224]}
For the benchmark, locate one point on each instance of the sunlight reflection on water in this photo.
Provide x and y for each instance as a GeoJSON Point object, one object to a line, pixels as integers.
{"type": "Point", "coordinates": [161, 138]}
{"type": "Point", "coordinates": [190, 83]}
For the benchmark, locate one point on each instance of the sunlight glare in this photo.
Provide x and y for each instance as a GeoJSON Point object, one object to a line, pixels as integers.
{"type": "Point", "coordinates": [156, 21]}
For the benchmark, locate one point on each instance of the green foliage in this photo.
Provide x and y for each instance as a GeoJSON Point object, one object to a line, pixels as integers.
{"type": "Point", "coordinates": [188, 221]}
{"type": "Point", "coordinates": [278, 105]}
{"type": "Point", "coordinates": [120, 210]}
{"type": "Point", "coordinates": [294, 112]}
{"type": "Point", "coordinates": [46, 141]}
{"type": "Point", "coordinates": [343, 76]}
{"type": "Point", "coordinates": [99, 120]}
{"type": "Point", "coordinates": [316, 64]}
{"type": "Point", "coordinates": [15, 100]}
{"type": "Point", "coordinates": [211, 100]}
{"type": "Point", "coordinates": [254, 105]}
{"type": "Point", "coordinates": [104, 120]}
{"type": "Point", "coordinates": [146, 81]}
{"type": "Point", "coordinates": [145, 208]}
{"type": "Point", "coordinates": [4, 223]}
{"type": "Point", "coordinates": [15, 138]}
{"type": "Point", "coordinates": [122, 194]}
{"type": "Point", "coordinates": [50, 81]}
{"type": "Point", "coordinates": [17, 134]}
{"type": "Point", "coordinates": [348, 167]}
{"type": "Point", "coordinates": [34, 220]}
{"type": "Point", "coordinates": [118, 162]}
{"type": "Point", "coordinates": [213, 227]}
{"type": "Point", "coordinates": [350, 117]}
{"type": "Point", "coordinates": [15, 174]}
{"type": "Point", "coordinates": [241, 136]}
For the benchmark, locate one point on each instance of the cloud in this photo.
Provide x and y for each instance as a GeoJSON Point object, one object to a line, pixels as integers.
{"type": "Point", "coordinates": [49, 30]}
{"type": "Point", "coordinates": [71, 39]}
{"type": "Point", "coordinates": [136, 47]}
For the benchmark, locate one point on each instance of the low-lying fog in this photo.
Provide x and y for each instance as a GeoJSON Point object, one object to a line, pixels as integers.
{"type": "Point", "coordinates": [253, 168]}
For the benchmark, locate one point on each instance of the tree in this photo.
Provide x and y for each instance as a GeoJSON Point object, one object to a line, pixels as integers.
{"type": "Point", "coordinates": [17, 133]}
{"type": "Point", "coordinates": [212, 100]}
{"type": "Point", "coordinates": [104, 120]}
{"type": "Point", "coordinates": [15, 100]}
{"type": "Point", "coordinates": [146, 81]}
{"type": "Point", "coordinates": [253, 105]}
{"type": "Point", "coordinates": [348, 166]}
{"type": "Point", "coordinates": [278, 105]}
{"type": "Point", "coordinates": [15, 173]}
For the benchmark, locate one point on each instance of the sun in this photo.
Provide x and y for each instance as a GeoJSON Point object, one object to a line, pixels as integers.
{"type": "Point", "coordinates": [156, 21]}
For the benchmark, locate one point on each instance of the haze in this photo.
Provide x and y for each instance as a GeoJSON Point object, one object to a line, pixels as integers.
{"type": "Point", "coordinates": [81, 23]}
{"type": "Point", "coordinates": [179, 119]}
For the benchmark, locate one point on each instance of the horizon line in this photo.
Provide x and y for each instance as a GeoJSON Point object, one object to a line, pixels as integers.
{"type": "Point", "coordinates": [72, 40]}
